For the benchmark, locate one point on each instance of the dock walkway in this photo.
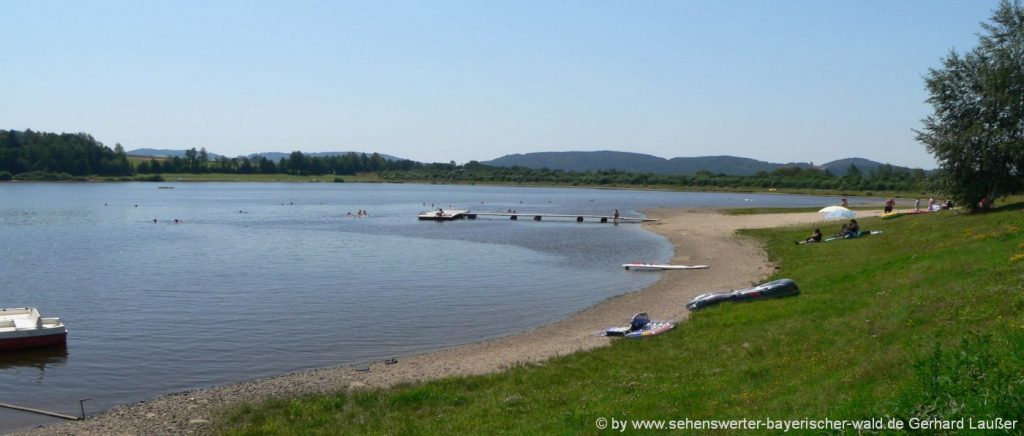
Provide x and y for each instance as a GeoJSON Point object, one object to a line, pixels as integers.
{"type": "Point", "coordinates": [465, 214]}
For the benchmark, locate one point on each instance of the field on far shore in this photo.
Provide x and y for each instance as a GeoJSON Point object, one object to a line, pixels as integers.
{"type": "Point", "coordinates": [924, 321]}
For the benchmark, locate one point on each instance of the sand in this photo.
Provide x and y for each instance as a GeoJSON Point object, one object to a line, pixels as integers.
{"type": "Point", "coordinates": [700, 236]}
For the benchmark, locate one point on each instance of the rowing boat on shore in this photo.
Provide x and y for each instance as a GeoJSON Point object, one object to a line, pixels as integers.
{"type": "Point", "coordinates": [655, 267]}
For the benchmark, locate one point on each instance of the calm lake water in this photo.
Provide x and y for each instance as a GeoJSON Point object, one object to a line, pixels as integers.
{"type": "Point", "coordinates": [261, 279]}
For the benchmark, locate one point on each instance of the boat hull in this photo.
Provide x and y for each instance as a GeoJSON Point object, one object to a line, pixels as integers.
{"type": "Point", "coordinates": [774, 289]}
{"type": "Point", "coordinates": [33, 341]}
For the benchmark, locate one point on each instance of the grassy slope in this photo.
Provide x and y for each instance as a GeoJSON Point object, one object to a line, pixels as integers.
{"type": "Point", "coordinates": [859, 342]}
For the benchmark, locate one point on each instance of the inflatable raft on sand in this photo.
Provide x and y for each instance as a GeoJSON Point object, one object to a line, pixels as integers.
{"type": "Point", "coordinates": [775, 289]}
{"type": "Point", "coordinates": [639, 326]}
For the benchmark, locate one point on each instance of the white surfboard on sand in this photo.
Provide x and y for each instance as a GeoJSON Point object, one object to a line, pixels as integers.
{"type": "Point", "coordinates": [655, 266]}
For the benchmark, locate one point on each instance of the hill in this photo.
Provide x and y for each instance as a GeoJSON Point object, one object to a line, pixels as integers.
{"type": "Point", "coordinates": [841, 166]}
{"type": "Point", "coordinates": [637, 162]}
{"type": "Point", "coordinates": [583, 161]}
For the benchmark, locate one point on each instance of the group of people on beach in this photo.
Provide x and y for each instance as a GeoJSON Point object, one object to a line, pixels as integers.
{"type": "Point", "coordinates": [932, 205]}
{"type": "Point", "coordinates": [851, 230]}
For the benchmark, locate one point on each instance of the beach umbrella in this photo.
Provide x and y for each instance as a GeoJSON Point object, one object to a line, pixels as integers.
{"type": "Point", "coordinates": [837, 213]}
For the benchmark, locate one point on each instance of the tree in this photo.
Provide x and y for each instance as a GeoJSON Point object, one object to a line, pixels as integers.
{"type": "Point", "coordinates": [853, 172]}
{"type": "Point", "coordinates": [976, 130]}
{"type": "Point", "coordinates": [191, 159]}
{"type": "Point", "coordinates": [203, 157]}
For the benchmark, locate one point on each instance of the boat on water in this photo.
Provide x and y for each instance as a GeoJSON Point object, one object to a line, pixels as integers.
{"type": "Point", "coordinates": [445, 215]}
{"type": "Point", "coordinates": [23, 327]}
{"type": "Point", "coordinates": [656, 267]}
{"type": "Point", "coordinates": [774, 289]}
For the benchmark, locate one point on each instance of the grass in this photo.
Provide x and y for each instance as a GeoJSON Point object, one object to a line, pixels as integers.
{"type": "Point", "coordinates": [922, 321]}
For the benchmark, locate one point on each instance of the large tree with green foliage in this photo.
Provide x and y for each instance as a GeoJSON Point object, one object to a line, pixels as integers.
{"type": "Point", "coordinates": [976, 131]}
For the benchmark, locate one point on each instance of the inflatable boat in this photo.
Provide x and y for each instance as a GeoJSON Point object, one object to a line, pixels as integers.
{"type": "Point", "coordinates": [640, 326]}
{"type": "Point", "coordinates": [774, 289]}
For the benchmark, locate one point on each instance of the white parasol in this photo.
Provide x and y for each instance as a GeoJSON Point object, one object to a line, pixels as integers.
{"type": "Point", "coordinates": [837, 213]}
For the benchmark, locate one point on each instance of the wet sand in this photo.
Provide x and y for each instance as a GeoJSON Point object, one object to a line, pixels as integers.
{"type": "Point", "coordinates": [700, 236]}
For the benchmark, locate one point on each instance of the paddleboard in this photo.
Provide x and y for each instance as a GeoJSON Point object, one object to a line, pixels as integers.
{"type": "Point", "coordinates": [654, 266]}
{"type": "Point", "coordinates": [864, 233]}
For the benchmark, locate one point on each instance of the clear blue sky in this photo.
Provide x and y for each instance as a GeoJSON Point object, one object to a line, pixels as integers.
{"type": "Point", "coordinates": [434, 81]}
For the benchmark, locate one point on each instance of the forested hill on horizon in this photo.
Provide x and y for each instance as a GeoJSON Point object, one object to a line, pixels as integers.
{"type": "Point", "coordinates": [40, 156]}
{"type": "Point", "coordinates": [591, 161]}
{"type": "Point", "coordinates": [583, 161]}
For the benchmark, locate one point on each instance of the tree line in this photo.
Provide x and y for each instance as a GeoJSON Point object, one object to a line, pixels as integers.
{"type": "Point", "coordinates": [297, 163]}
{"type": "Point", "coordinates": [75, 154]}
{"type": "Point", "coordinates": [883, 178]}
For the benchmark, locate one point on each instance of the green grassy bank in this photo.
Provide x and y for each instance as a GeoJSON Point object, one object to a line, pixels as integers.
{"type": "Point", "coordinates": [923, 321]}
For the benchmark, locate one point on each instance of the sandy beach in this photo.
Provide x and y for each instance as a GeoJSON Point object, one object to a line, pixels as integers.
{"type": "Point", "coordinates": [700, 236]}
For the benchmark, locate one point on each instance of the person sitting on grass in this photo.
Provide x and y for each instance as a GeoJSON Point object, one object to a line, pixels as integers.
{"type": "Point", "coordinates": [815, 237]}
{"type": "Point", "coordinates": [852, 230]}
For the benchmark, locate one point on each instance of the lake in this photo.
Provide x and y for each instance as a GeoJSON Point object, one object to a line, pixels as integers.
{"type": "Point", "coordinates": [258, 279]}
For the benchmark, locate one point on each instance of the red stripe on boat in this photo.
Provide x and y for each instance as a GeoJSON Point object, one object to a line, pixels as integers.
{"type": "Point", "coordinates": [33, 341]}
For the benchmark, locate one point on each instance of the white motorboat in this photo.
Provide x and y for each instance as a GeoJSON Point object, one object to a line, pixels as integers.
{"type": "Point", "coordinates": [23, 327]}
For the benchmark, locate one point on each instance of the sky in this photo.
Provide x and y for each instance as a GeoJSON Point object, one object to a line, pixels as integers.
{"type": "Point", "coordinates": [439, 81]}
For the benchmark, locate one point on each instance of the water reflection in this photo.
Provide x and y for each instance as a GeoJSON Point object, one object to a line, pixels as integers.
{"type": "Point", "coordinates": [37, 358]}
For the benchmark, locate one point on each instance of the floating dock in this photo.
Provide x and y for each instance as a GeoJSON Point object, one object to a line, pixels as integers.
{"type": "Point", "coordinates": [448, 215]}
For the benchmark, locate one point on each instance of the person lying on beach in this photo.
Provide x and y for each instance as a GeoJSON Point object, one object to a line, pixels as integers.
{"type": "Point", "coordinates": [815, 237]}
